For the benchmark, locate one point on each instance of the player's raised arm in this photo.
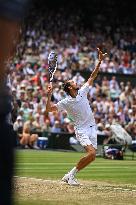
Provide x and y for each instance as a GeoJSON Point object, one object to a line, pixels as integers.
{"type": "Point", "coordinates": [96, 70]}
{"type": "Point", "coordinates": [49, 106]}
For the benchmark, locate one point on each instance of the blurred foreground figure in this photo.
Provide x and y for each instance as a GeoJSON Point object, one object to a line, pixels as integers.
{"type": "Point", "coordinates": [11, 12]}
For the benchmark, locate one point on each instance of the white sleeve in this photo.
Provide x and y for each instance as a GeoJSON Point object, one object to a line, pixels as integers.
{"type": "Point", "coordinates": [85, 88]}
{"type": "Point", "coordinates": [61, 105]}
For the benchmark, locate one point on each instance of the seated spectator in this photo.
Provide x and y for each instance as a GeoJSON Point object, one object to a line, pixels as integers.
{"type": "Point", "coordinates": [28, 138]}
{"type": "Point", "coordinates": [47, 127]}
{"type": "Point", "coordinates": [56, 127]}
{"type": "Point", "coordinates": [18, 128]}
{"type": "Point", "coordinates": [36, 123]}
{"type": "Point", "coordinates": [18, 125]}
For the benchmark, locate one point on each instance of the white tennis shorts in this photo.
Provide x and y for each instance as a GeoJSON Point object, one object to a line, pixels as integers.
{"type": "Point", "coordinates": [87, 136]}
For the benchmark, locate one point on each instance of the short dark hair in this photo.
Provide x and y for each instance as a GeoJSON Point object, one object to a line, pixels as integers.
{"type": "Point", "coordinates": [66, 85]}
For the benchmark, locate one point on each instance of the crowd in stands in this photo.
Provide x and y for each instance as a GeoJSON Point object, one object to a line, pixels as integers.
{"type": "Point", "coordinates": [111, 101]}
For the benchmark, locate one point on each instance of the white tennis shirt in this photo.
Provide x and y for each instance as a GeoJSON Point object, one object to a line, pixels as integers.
{"type": "Point", "coordinates": [78, 109]}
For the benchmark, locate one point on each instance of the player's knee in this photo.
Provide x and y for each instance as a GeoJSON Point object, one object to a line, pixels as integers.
{"type": "Point", "coordinates": [92, 155]}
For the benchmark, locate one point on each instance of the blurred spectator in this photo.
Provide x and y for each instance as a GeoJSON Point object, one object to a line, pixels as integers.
{"type": "Point", "coordinates": [47, 126]}
{"type": "Point", "coordinates": [65, 125]}
{"type": "Point", "coordinates": [28, 138]}
{"type": "Point", "coordinates": [70, 128]}
{"type": "Point", "coordinates": [78, 79]}
{"type": "Point", "coordinates": [56, 127]}
{"type": "Point", "coordinates": [36, 123]}
{"type": "Point", "coordinates": [18, 124]}
{"type": "Point", "coordinates": [100, 129]}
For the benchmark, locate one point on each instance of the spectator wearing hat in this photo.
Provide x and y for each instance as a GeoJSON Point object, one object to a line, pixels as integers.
{"type": "Point", "coordinates": [18, 128]}
{"type": "Point", "coordinates": [18, 124]}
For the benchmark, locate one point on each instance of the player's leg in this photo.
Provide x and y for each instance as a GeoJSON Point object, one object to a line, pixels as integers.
{"type": "Point", "coordinates": [84, 161]}
{"type": "Point", "coordinates": [90, 157]}
{"type": "Point", "coordinates": [89, 142]}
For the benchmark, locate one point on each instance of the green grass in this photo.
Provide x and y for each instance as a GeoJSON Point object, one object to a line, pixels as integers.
{"type": "Point", "coordinates": [53, 165]}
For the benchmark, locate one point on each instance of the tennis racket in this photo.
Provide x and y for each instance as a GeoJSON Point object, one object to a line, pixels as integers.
{"type": "Point", "coordinates": [52, 62]}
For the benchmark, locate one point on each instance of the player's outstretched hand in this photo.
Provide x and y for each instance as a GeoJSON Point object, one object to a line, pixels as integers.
{"type": "Point", "coordinates": [49, 91]}
{"type": "Point", "coordinates": [101, 55]}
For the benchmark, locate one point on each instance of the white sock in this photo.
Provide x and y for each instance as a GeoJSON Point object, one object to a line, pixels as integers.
{"type": "Point", "coordinates": [73, 171]}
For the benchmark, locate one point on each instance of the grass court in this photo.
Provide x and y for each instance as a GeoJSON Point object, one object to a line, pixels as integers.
{"type": "Point", "coordinates": [103, 182]}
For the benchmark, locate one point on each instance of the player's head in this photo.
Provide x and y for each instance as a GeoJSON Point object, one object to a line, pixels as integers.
{"type": "Point", "coordinates": [70, 86]}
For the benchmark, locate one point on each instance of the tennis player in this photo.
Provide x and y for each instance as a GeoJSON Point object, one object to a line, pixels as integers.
{"type": "Point", "coordinates": [80, 113]}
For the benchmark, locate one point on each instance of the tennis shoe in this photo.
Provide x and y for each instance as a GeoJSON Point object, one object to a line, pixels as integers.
{"type": "Point", "coordinates": [70, 179]}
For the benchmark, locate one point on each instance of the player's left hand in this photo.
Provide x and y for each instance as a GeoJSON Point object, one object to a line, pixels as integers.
{"type": "Point", "coordinates": [101, 55]}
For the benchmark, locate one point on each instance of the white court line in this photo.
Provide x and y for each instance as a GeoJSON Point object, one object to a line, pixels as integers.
{"type": "Point", "coordinates": [56, 181]}
{"type": "Point", "coordinates": [38, 179]}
